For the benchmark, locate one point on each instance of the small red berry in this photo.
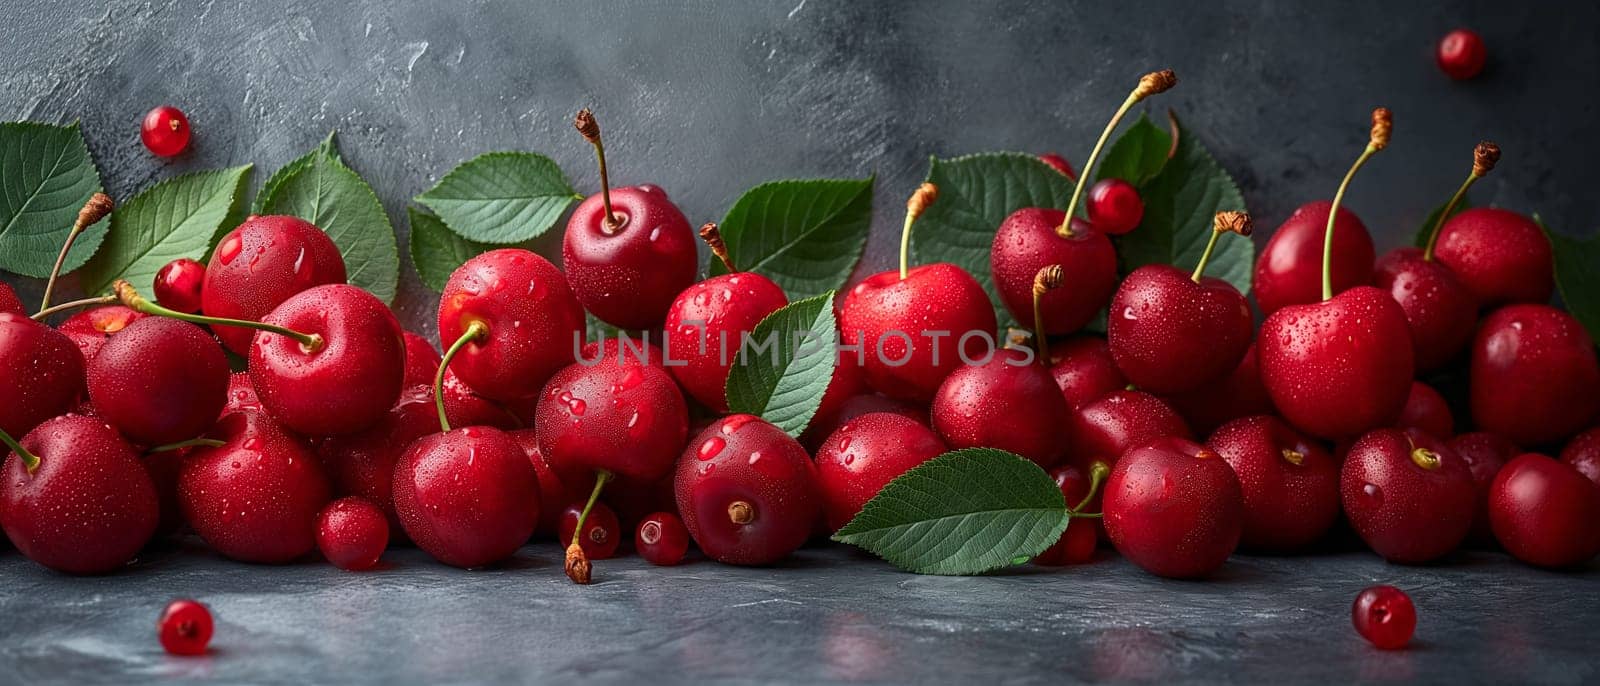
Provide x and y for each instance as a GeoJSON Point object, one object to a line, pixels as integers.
{"type": "Point", "coordinates": [1060, 164]}
{"type": "Point", "coordinates": [352, 533]}
{"type": "Point", "coordinates": [1385, 616]}
{"type": "Point", "coordinates": [662, 539]}
{"type": "Point", "coordinates": [185, 628]}
{"type": "Point", "coordinates": [1114, 206]}
{"type": "Point", "coordinates": [1077, 543]}
{"type": "Point", "coordinates": [178, 285]}
{"type": "Point", "coordinates": [602, 533]}
{"type": "Point", "coordinates": [1462, 54]}
{"type": "Point", "coordinates": [165, 131]}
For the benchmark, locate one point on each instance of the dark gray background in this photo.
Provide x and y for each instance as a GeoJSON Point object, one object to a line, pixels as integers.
{"type": "Point", "coordinates": [709, 100]}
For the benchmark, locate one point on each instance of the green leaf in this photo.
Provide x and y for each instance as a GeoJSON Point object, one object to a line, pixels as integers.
{"type": "Point", "coordinates": [1424, 231]}
{"type": "Point", "coordinates": [501, 197]}
{"type": "Point", "coordinates": [172, 219]}
{"type": "Point", "coordinates": [1578, 276]}
{"type": "Point", "coordinates": [332, 196]}
{"type": "Point", "coordinates": [1179, 204]}
{"type": "Point", "coordinates": [781, 375]}
{"type": "Point", "coordinates": [328, 148]}
{"type": "Point", "coordinates": [1138, 155]}
{"type": "Point", "coordinates": [437, 251]}
{"type": "Point", "coordinates": [976, 193]}
{"type": "Point", "coordinates": [805, 235]}
{"type": "Point", "coordinates": [964, 512]}
{"type": "Point", "coordinates": [46, 176]}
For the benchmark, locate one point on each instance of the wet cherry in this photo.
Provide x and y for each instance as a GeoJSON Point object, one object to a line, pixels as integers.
{"type": "Point", "coordinates": [1115, 207]}
{"type": "Point", "coordinates": [857, 405]}
{"type": "Point", "coordinates": [707, 322]}
{"type": "Point", "coordinates": [1385, 617]}
{"type": "Point", "coordinates": [602, 532]}
{"type": "Point", "coordinates": [1462, 54]}
{"type": "Point", "coordinates": [1118, 422]}
{"type": "Point", "coordinates": [1583, 452]}
{"type": "Point", "coordinates": [519, 318]}
{"type": "Point", "coordinates": [41, 374]}
{"type": "Point", "coordinates": [255, 497]}
{"type": "Point", "coordinates": [468, 497]}
{"type": "Point", "coordinates": [1288, 268]}
{"type": "Point", "coordinates": [1174, 508]}
{"type": "Point", "coordinates": [747, 492]}
{"type": "Point", "coordinates": [1499, 255]}
{"type": "Point", "coordinates": [1407, 494]}
{"type": "Point", "coordinates": [259, 265]}
{"type": "Point", "coordinates": [184, 628]}
{"type": "Point", "coordinates": [165, 131]}
{"type": "Point", "coordinates": [1545, 512]}
{"type": "Point", "coordinates": [1426, 409]}
{"type": "Point", "coordinates": [159, 381]}
{"type": "Point", "coordinates": [352, 533]}
{"type": "Point", "coordinates": [864, 455]}
{"type": "Point", "coordinates": [241, 394]}
{"type": "Point", "coordinates": [1485, 454]}
{"type": "Point", "coordinates": [1083, 369]}
{"type": "Point", "coordinates": [362, 464]}
{"type": "Point", "coordinates": [1290, 483]}
{"type": "Point", "coordinates": [91, 328]}
{"type": "Point", "coordinates": [662, 539]}
{"type": "Point", "coordinates": [422, 360]}
{"type": "Point", "coordinates": [1534, 375]}
{"type": "Point", "coordinates": [555, 488]}
{"type": "Point", "coordinates": [1239, 394]}
{"type": "Point", "coordinates": [1082, 493]}
{"type": "Point", "coordinates": [178, 285]}
{"type": "Point", "coordinates": [9, 301]}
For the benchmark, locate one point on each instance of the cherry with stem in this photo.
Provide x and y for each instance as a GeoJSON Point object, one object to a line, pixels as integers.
{"type": "Point", "coordinates": [1149, 84]}
{"type": "Point", "coordinates": [98, 206]}
{"type": "Point", "coordinates": [1484, 157]}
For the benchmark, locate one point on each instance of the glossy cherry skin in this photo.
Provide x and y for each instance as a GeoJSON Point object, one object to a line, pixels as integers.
{"type": "Point", "coordinates": [164, 131]}
{"type": "Point", "coordinates": [662, 539]}
{"type": "Point", "coordinates": [90, 329]}
{"type": "Point", "coordinates": [9, 301]}
{"type": "Point", "coordinates": [857, 405]}
{"type": "Point", "coordinates": [1500, 256]}
{"type": "Point", "coordinates": [1239, 394]}
{"type": "Point", "coordinates": [747, 492]}
{"type": "Point", "coordinates": [41, 374]}
{"type": "Point", "coordinates": [1439, 309]}
{"type": "Point", "coordinates": [848, 382]}
{"type": "Point", "coordinates": [362, 464]}
{"type": "Point", "coordinates": [1027, 242]}
{"type": "Point", "coordinates": [256, 497]}
{"type": "Point", "coordinates": [1169, 334]}
{"type": "Point", "coordinates": [88, 507]}
{"type": "Point", "coordinates": [628, 275]}
{"type": "Point", "coordinates": [259, 265]}
{"type": "Point", "coordinates": [1385, 617]}
{"type": "Point", "coordinates": [886, 316]}
{"type": "Point", "coordinates": [348, 383]}
{"type": "Point", "coordinates": [1426, 409]}
{"type": "Point", "coordinates": [864, 455]}
{"type": "Point", "coordinates": [468, 497]}
{"type": "Point", "coordinates": [534, 322]}
{"type": "Point", "coordinates": [1084, 370]}
{"type": "Point", "coordinates": [1485, 454]}
{"type": "Point", "coordinates": [159, 381]}
{"type": "Point", "coordinates": [164, 467]}
{"type": "Point", "coordinates": [1462, 54]}
{"type": "Point", "coordinates": [1289, 269]}
{"type": "Point", "coordinates": [705, 327]}
{"type": "Point", "coordinates": [602, 532]}
{"type": "Point", "coordinates": [422, 359]}
{"type": "Point", "coordinates": [1583, 452]}
{"type": "Point", "coordinates": [628, 419]}
{"type": "Point", "coordinates": [1545, 512]}
{"type": "Point", "coordinates": [1534, 375]}
{"type": "Point", "coordinates": [556, 488]}
{"type": "Point", "coordinates": [1118, 422]}
{"type": "Point", "coordinates": [1011, 403]}
{"type": "Point", "coordinates": [1059, 164]}
{"type": "Point", "coordinates": [178, 285]}
{"type": "Point", "coordinates": [1290, 483]}
{"type": "Point", "coordinates": [352, 533]}
{"type": "Point", "coordinates": [1077, 543]}
{"type": "Point", "coordinates": [1338, 368]}
{"type": "Point", "coordinates": [1114, 206]}
{"type": "Point", "coordinates": [241, 394]}
{"type": "Point", "coordinates": [1409, 507]}
{"type": "Point", "coordinates": [185, 628]}
{"type": "Point", "coordinates": [1173, 507]}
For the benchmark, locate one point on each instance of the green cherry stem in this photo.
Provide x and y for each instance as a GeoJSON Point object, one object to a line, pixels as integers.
{"type": "Point", "coordinates": [1382, 123]}
{"type": "Point", "coordinates": [1226, 221]}
{"type": "Point", "coordinates": [1149, 84]}
{"type": "Point", "coordinates": [1097, 475]}
{"type": "Point", "coordinates": [1048, 279]}
{"type": "Point", "coordinates": [585, 124]}
{"type": "Point", "coordinates": [191, 443]}
{"type": "Point", "coordinates": [919, 202]}
{"type": "Point", "coordinates": [98, 206]}
{"type": "Point", "coordinates": [1484, 158]}
{"type": "Point", "coordinates": [475, 331]}
{"type": "Point", "coordinates": [45, 313]}
{"type": "Point", "coordinates": [131, 299]}
{"type": "Point", "coordinates": [30, 461]}
{"type": "Point", "coordinates": [577, 563]}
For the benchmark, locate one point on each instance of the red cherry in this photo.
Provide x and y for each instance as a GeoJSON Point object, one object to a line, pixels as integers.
{"type": "Point", "coordinates": [185, 628]}
{"type": "Point", "coordinates": [1462, 54]}
{"type": "Point", "coordinates": [1583, 452]}
{"type": "Point", "coordinates": [1059, 164]}
{"type": "Point", "coordinates": [178, 285]}
{"type": "Point", "coordinates": [1340, 367]}
{"type": "Point", "coordinates": [1115, 207]}
{"type": "Point", "coordinates": [848, 382]}
{"type": "Point", "coordinates": [422, 360]}
{"type": "Point", "coordinates": [1500, 256]}
{"type": "Point", "coordinates": [75, 498]}
{"type": "Point", "coordinates": [9, 301]}
{"type": "Point", "coordinates": [886, 316]}
{"type": "Point", "coordinates": [1083, 370]}
{"type": "Point", "coordinates": [41, 374]}
{"type": "Point", "coordinates": [864, 455]}
{"type": "Point", "coordinates": [662, 539]}
{"type": "Point", "coordinates": [259, 265]}
{"type": "Point", "coordinates": [856, 406]}
{"type": "Point", "coordinates": [352, 533]}
{"type": "Point", "coordinates": [1239, 394]}
{"type": "Point", "coordinates": [1427, 410]}
{"type": "Point", "coordinates": [165, 131]}
{"type": "Point", "coordinates": [1385, 617]}
{"type": "Point", "coordinates": [601, 531]}
{"type": "Point", "coordinates": [466, 408]}
{"type": "Point", "coordinates": [90, 329]}
{"type": "Point", "coordinates": [627, 251]}
{"type": "Point", "coordinates": [468, 497]}
{"type": "Point", "coordinates": [747, 492]}
{"type": "Point", "coordinates": [362, 464]}
{"type": "Point", "coordinates": [159, 381]}
{"type": "Point", "coordinates": [555, 488]}
{"type": "Point", "coordinates": [706, 324]}
{"type": "Point", "coordinates": [1534, 375]}
{"type": "Point", "coordinates": [241, 394]}
{"type": "Point", "coordinates": [530, 323]}
{"type": "Point", "coordinates": [1407, 494]}
{"type": "Point", "coordinates": [1545, 512]}
{"type": "Point", "coordinates": [629, 420]}
{"type": "Point", "coordinates": [1118, 422]}
{"type": "Point", "coordinates": [1439, 309]}
{"type": "Point", "coordinates": [633, 499]}
{"type": "Point", "coordinates": [1174, 508]}
{"type": "Point", "coordinates": [1010, 403]}
{"type": "Point", "coordinates": [1290, 482]}
{"type": "Point", "coordinates": [626, 350]}
{"type": "Point", "coordinates": [1485, 454]}
{"type": "Point", "coordinates": [1076, 545]}
{"type": "Point", "coordinates": [1290, 266]}
{"type": "Point", "coordinates": [1031, 239]}
{"type": "Point", "coordinates": [164, 466]}
{"type": "Point", "coordinates": [255, 498]}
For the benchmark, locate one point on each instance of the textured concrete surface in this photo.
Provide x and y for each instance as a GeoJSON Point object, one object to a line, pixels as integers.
{"type": "Point", "coordinates": [710, 99]}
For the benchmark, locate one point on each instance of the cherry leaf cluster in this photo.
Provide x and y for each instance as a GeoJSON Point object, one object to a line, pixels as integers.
{"type": "Point", "coordinates": [46, 175]}
{"type": "Point", "coordinates": [175, 218]}
{"type": "Point", "coordinates": [805, 235]}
